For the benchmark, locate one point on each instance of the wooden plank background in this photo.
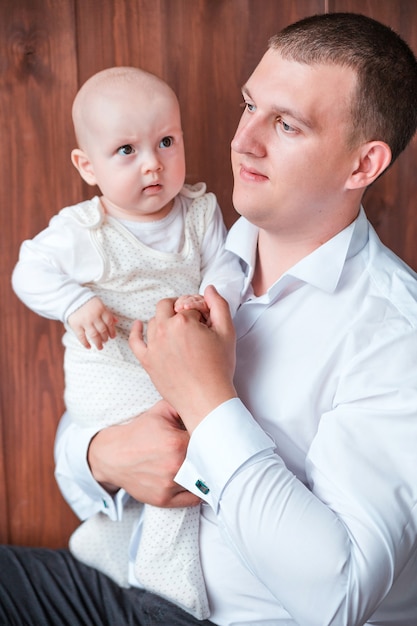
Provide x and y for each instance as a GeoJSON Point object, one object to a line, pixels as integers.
{"type": "Point", "coordinates": [205, 49]}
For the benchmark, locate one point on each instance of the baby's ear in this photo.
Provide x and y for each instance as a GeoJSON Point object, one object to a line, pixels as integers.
{"type": "Point", "coordinates": [83, 164]}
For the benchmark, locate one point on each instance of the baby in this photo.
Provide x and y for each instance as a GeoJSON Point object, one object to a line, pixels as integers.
{"type": "Point", "coordinates": [105, 262]}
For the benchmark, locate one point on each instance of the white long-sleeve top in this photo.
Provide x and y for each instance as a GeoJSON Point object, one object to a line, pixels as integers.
{"type": "Point", "coordinates": [55, 267]}
{"type": "Point", "coordinates": [85, 253]}
{"type": "Point", "coordinates": [311, 514]}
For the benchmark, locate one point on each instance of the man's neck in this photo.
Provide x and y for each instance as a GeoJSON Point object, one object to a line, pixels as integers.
{"type": "Point", "coordinates": [274, 258]}
{"type": "Point", "coordinates": [276, 255]}
{"type": "Point", "coordinates": [281, 249]}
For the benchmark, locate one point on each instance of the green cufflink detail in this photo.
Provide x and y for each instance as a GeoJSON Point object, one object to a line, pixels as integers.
{"type": "Point", "coordinates": [202, 486]}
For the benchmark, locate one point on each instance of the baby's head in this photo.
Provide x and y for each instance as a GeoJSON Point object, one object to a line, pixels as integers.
{"type": "Point", "coordinates": [128, 128]}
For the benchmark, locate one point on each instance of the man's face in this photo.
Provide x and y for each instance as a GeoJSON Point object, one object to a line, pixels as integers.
{"type": "Point", "coordinates": [290, 155]}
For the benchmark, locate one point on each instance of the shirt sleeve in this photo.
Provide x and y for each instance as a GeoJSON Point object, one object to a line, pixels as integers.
{"type": "Point", "coordinates": [219, 267]}
{"type": "Point", "coordinates": [53, 267]}
{"type": "Point", "coordinates": [329, 550]}
{"type": "Point", "coordinates": [274, 524]}
{"type": "Point", "coordinates": [79, 488]}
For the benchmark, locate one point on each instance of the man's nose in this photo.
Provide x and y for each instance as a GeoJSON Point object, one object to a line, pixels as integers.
{"type": "Point", "coordinates": [249, 138]}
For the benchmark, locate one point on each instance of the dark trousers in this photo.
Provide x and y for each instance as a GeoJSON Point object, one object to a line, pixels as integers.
{"type": "Point", "coordinates": [41, 587]}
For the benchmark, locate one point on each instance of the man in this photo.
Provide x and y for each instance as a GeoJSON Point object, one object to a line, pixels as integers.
{"type": "Point", "coordinates": [302, 445]}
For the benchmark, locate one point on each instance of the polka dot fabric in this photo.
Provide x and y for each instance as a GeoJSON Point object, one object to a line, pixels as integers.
{"type": "Point", "coordinates": [168, 558]}
{"type": "Point", "coordinates": [110, 386]}
{"type": "Point", "coordinates": [104, 387]}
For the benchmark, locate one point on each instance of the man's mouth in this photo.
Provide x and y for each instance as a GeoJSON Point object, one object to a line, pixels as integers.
{"type": "Point", "coordinates": [250, 174]}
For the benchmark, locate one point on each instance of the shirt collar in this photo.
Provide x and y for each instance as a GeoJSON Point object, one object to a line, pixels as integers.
{"type": "Point", "coordinates": [322, 268]}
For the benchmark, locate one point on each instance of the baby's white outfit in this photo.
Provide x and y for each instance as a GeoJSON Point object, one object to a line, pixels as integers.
{"type": "Point", "coordinates": [109, 386]}
{"type": "Point", "coordinates": [102, 385]}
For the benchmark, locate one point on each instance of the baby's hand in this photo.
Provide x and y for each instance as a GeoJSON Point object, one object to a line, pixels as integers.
{"type": "Point", "coordinates": [93, 323]}
{"type": "Point", "coordinates": [195, 302]}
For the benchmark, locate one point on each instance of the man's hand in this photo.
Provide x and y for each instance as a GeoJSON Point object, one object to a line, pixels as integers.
{"type": "Point", "coordinates": [93, 324]}
{"type": "Point", "coordinates": [191, 364]}
{"type": "Point", "coordinates": [142, 456]}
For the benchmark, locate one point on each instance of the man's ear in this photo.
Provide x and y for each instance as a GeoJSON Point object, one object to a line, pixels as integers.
{"type": "Point", "coordinates": [373, 158]}
{"type": "Point", "coordinates": [83, 164]}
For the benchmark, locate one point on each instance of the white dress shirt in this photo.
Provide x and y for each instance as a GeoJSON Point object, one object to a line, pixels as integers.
{"type": "Point", "coordinates": [311, 515]}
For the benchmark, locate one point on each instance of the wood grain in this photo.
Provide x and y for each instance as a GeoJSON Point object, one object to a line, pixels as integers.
{"type": "Point", "coordinates": [205, 49]}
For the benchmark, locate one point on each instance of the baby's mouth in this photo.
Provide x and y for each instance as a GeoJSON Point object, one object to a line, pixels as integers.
{"type": "Point", "coordinates": [153, 187]}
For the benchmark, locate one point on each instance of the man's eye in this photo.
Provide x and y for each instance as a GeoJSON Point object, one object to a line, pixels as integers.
{"type": "Point", "coordinates": [247, 106]}
{"type": "Point", "coordinates": [125, 150]}
{"type": "Point", "coordinates": [286, 127]}
{"type": "Point", "coordinates": [166, 142]}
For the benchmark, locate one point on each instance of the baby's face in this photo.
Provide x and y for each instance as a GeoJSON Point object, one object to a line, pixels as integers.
{"type": "Point", "coordinates": [135, 145]}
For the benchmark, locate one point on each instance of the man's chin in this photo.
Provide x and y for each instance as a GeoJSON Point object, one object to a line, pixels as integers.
{"type": "Point", "coordinates": [243, 205]}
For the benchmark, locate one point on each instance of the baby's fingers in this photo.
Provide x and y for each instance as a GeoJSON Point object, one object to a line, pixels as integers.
{"type": "Point", "coordinates": [100, 332]}
{"type": "Point", "coordinates": [98, 336]}
{"type": "Point", "coordinates": [196, 303]}
{"type": "Point", "coordinates": [110, 322]}
{"type": "Point", "coordinates": [82, 337]}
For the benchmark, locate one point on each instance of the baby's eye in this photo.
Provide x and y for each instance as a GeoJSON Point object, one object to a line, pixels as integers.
{"type": "Point", "coordinates": [166, 142]}
{"type": "Point", "coordinates": [126, 150]}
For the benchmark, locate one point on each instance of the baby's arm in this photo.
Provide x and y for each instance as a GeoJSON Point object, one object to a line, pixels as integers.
{"type": "Point", "coordinates": [49, 277]}
{"type": "Point", "coordinates": [93, 323]}
{"type": "Point", "coordinates": [195, 302]}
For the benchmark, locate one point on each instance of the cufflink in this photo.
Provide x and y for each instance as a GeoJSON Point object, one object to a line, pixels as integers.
{"type": "Point", "coordinates": [202, 487]}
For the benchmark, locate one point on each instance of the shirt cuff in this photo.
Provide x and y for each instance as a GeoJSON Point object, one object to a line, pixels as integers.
{"type": "Point", "coordinates": [227, 440]}
{"type": "Point", "coordinates": [78, 486]}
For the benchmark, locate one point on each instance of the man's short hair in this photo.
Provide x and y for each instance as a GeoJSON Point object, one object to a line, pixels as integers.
{"type": "Point", "coordinates": [384, 107]}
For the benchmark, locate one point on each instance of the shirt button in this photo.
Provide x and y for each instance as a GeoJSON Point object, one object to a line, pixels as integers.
{"type": "Point", "coordinates": [202, 486]}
